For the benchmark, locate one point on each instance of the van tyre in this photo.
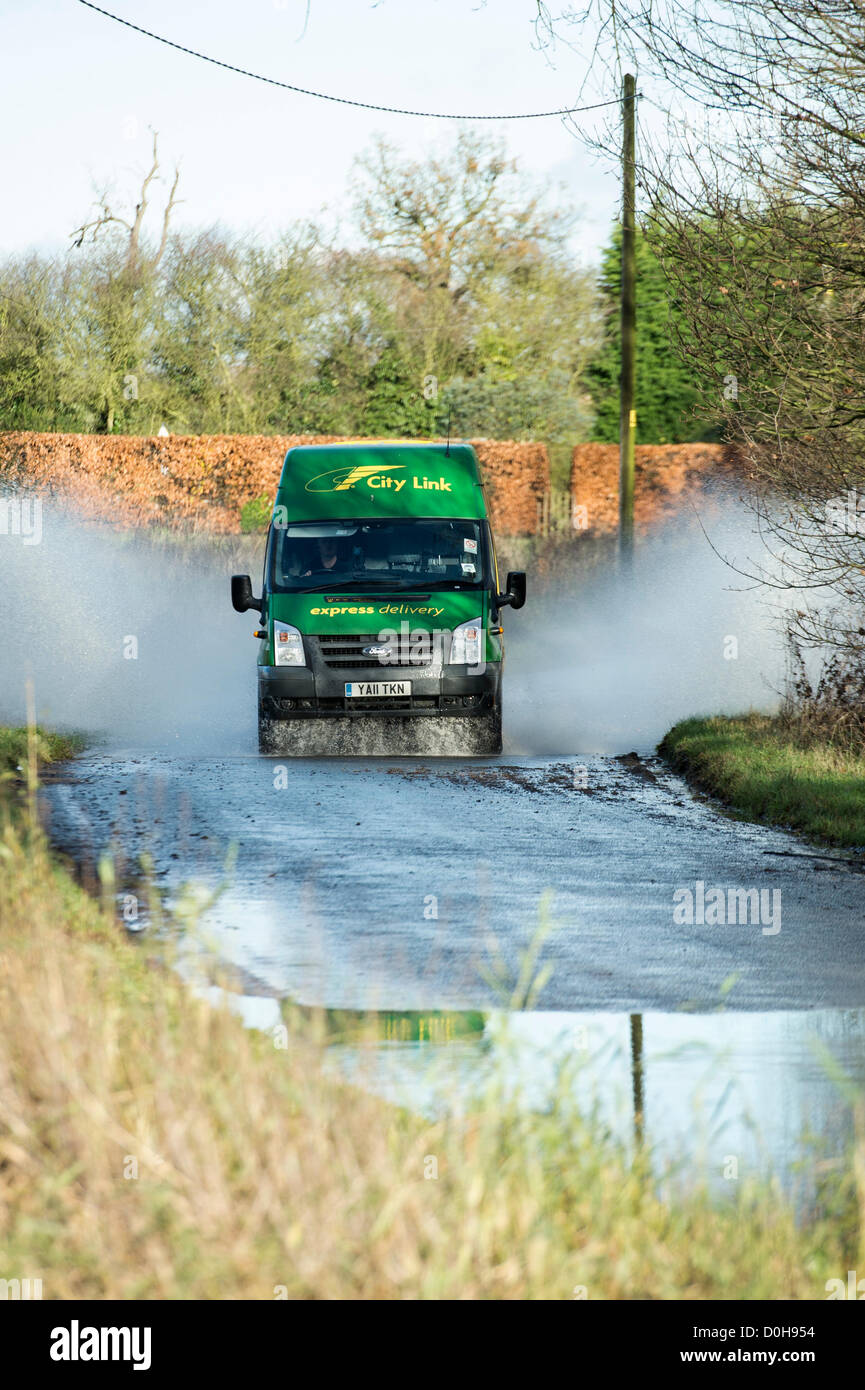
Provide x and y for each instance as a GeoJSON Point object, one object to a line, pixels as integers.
{"type": "Point", "coordinates": [268, 732]}
{"type": "Point", "coordinates": [496, 730]}
{"type": "Point", "coordinates": [483, 737]}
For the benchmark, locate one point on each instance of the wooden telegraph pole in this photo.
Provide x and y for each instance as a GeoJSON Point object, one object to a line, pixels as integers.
{"type": "Point", "coordinates": [627, 379]}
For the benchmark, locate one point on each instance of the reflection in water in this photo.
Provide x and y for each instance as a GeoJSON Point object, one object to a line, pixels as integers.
{"type": "Point", "coordinates": [637, 1076]}
{"type": "Point", "coordinates": [732, 1096]}
{"type": "Point", "coordinates": [723, 1097]}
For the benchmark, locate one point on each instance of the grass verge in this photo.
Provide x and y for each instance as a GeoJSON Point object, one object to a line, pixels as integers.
{"type": "Point", "coordinates": [151, 1147]}
{"type": "Point", "coordinates": [775, 769]}
{"type": "Point", "coordinates": [17, 745]}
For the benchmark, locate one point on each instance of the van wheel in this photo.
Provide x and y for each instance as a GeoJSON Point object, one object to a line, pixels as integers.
{"type": "Point", "coordinates": [268, 738]}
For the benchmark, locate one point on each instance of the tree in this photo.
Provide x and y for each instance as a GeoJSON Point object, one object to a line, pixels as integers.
{"type": "Point", "coordinates": [461, 298]}
{"type": "Point", "coordinates": [35, 389]}
{"type": "Point", "coordinates": [117, 300]}
{"type": "Point", "coordinates": [758, 205]}
{"type": "Point", "coordinates": [478, 285]}
{"type": "Point", "coordinates": [666, 395]}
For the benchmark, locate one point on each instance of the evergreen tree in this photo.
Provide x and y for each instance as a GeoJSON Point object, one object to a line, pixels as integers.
{"type": "Point", "coordinates": [666, 394]}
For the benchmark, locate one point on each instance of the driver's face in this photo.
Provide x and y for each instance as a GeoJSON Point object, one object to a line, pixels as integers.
{"type": "Point", "coordinates": [327, 549]}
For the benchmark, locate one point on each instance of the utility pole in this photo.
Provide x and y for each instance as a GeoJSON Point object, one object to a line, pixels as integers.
{"type": "Point", "coordinates": [627, 379]}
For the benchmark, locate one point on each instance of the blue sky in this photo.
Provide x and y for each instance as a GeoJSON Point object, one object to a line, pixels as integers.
{"type": "Point", "coordinates": [80, 92]}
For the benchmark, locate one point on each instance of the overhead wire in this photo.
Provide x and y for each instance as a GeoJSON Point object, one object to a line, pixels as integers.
{"type": "Point", "coordinates": [347, 101]}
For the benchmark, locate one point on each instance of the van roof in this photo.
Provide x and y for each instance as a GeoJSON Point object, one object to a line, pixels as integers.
{"type": "Point", "coordinates": [367, 478]}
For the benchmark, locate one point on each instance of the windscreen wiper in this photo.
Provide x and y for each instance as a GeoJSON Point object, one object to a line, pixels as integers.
{"type": "Point", "coordinates": [322, 588]}
{"type": "Point", "coordinates": [356, 584]}
{"type": "Point", "coordinates": [389, 584]}
{"type": "Point", "coordinates": [359, 586]}
{"type": "Point", "coordinates": [434, 584]}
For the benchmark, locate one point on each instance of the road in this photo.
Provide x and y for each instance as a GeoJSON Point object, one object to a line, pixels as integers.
{"type": "Point", "coordinates": [412, 884]}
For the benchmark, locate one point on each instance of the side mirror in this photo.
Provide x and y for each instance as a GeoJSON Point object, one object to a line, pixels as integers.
{"type": "Point", "coordinates": [515, 594]}
{"type": "Point", "coordinates": [242, 596]}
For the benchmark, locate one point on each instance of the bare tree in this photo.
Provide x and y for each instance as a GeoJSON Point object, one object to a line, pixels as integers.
{"type": "Point", "coordinates": [756, 205]}
{"type": "Point", "coordinates": [134, 224]}
{"type": "Point", "coordinates": [121, 291]}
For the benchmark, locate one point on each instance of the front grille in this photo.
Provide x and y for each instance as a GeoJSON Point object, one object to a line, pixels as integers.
{"type": "Point", "coordinates": [346, 653]}
{"type": "Point", "coordinates": [377, 703]}
{"type": "Point", "coordinates": [279, 707]}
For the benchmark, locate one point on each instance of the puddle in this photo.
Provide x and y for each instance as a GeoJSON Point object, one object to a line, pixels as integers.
{"type": "Point", "coordinates": [720, 1098]}
{"type": "Point", "coordinates": [723, 1096]}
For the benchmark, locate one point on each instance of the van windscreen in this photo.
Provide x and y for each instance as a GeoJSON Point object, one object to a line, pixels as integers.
{"type": "Point", "coordinates": [403, 553]}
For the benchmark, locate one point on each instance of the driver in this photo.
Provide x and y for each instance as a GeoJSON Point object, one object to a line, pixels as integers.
{"type": "Point", "coordinates": [329, 557]}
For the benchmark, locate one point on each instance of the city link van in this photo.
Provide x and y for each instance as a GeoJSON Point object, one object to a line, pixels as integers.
{"type": "Point", "coordinates": [380, 605]}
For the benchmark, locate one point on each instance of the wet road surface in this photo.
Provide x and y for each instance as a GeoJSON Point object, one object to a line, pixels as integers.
{"type": "Point", "coordinates": [428, 885]}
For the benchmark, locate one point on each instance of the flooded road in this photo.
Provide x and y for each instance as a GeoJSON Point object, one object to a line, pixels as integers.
{"type": "Point", "coordinates": [444, 894]}
{"type": "Point", "coordinates": [412, 885]}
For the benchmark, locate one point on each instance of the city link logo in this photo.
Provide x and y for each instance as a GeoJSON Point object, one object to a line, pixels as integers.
{"type": "Point", "coordinates": [373, 475]}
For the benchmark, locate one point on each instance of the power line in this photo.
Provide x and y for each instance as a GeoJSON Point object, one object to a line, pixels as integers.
{"type": "Point", "coordinates": [343, 101]}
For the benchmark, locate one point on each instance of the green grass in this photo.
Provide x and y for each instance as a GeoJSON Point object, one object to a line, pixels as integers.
{"type": "Point", "coordinates": [48, 748]}
{"type": "Point", "coordinates": [151, 1147]}
{"type": "Point", "coordinates": [777, 770]}
{"type": "Point", "coordinates": [255, 514]}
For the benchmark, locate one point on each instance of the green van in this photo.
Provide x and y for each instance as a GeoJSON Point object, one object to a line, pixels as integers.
{"type": "Point", "coordinates": [380, 604]}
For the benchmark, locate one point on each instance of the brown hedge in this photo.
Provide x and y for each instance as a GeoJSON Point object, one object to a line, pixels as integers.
{"type": "Point", "coordinates": [666, 477]}
{"type": "Point", "coordinates": [202, 482]}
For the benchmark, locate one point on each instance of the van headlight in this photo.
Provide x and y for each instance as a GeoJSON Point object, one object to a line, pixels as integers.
{"type": "Point", "coordinates": [467, 644]}
{"type": "Point", "coordinates": [287, 646]}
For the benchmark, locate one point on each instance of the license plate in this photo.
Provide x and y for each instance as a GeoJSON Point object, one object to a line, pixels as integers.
{"type": "Point", "coordinates": [367, 689]}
